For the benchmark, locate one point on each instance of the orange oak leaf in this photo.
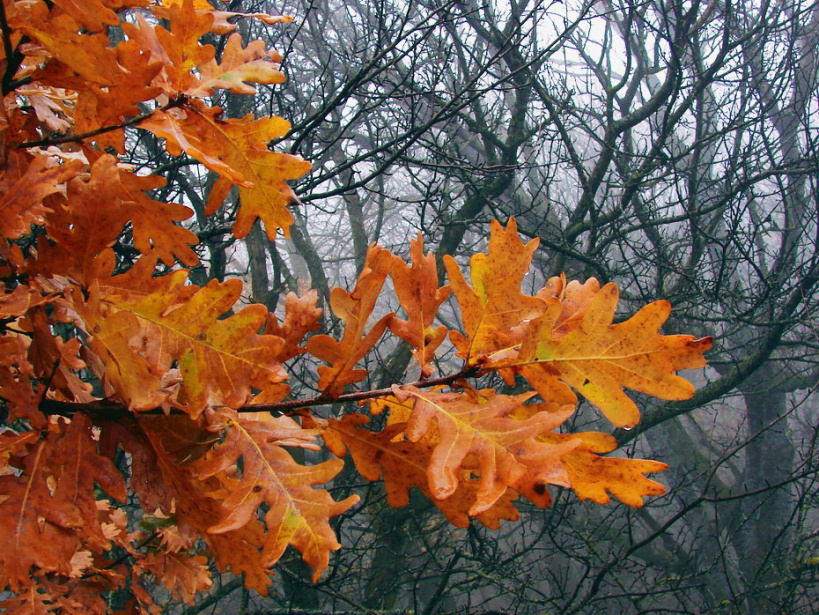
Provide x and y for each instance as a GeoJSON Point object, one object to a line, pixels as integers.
{"type": "Point", "coordinates": [92, 15]}
{"type": "Point", "coordinates": [97, 207]}
{"type": "Point", "coordinates": [593, 477]}
{"type": "Point", "coordinates": [419, 295]}
{"type": "Point", "coordinates": [88, 54]}
{"type": "Point", "coordinates": [20, 300]}
{"type": "Point", "coordinates": [182, 574]}
{"type": "Point", "coordinates": [598, 359]}
{"type": "Point", "coordinates": [237, 150]}
{"type": "Point", "coordinates": [103, 107]}
{"type": "Point", "coordinates": [17, 380]}
{"type": "Point", "coordinates": [301, 315]}
{"type": "Point", "coordinates": [55, 360]}
{"type": "Point", "coordinates": [24, 183]}
{"type": "Point", "coordinates": [190, 68]}
{"type": "Point", "coordinates": [116, 338]}
{"type": "Point", "coordinates": [354, 309]}
{"type": "Point", "coordinates": [403, 464]}
{"type": "Point", "coordinates": [507, 451]}
{"type": "Point", "coordinates": [52, 503]}
{"type": "Point", "coordinates": [297, 514]}
{"type": "Point", "coordinates": [220, 25]}
{"type": "Point", "coordinates": [156, 451]}
{"type": "Point", "coordinates": [220, 360]}
{"type": "Point", "coordinates": [178, 50]}
{"type": "Point", "coordinates": [494, 305]}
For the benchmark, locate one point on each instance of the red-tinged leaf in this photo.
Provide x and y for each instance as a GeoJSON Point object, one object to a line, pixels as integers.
{"type": "Point", "coordinates": [55, 360]}
{"type": "Point", "coordinates": [403, 464]}
{"type": "Point", "coordinates": [50, 506]}
{"type": "Point", "coordinates": [162, 479]}
{"type": "Point", "coordinates": [13, 445]}
{"type": "Point", "coordinates": [354, 309]}
{"type": "Point", "coordinates": [16, 380]}
{"type": "Point", "coordinates": [77, 466]}
{"type": "Point", "coordinates": [24, 183]}
{"type": "Point", "coordinates": [183, 439]}
{"type": "Point", "coordinates": [507, 450]}
{"type": "Point", "coordinates": [493, 306]}
{"type": "Point", "coordinates": [30, 601]}
{"type": "Point", "coordinates": [419, 295]}
{"type": "Point", "coordinates": [181, 574]}
{"type": "Point", "coordinates": [598, 359]}
{"type": "Point", "coordinates": [21, 300]}
{"type": "Point", "coordinates": [297, 515]}
{"type": "Point", "coordinates": [98, 208]}
{"type": "Point", "coordinates": [301, 315]}
{"type": "Point", "coordinates": [574, 298]}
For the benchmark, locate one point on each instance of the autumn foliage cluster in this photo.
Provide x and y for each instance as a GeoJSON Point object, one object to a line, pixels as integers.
{"type": "Point", "coordinates": [147, 420]}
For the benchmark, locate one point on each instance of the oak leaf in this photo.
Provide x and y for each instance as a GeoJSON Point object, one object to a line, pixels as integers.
{"type": "Point", "coordinates": [593, 477]}
{"type": "Point", "coordinates": [220, 360]}
{"type": "Point", "coordinates": [87, 54]}
{"type": "Point", "coordinates": [301, 315]}
{"type": "Point", "coordinates": [419, 295]}
{"type": "Point", "coordinates": [237, 150]}
{"type": "Point", "coordinates": [24, 183]}
{"type": "Point", "coordinates": [598, 359]}
{"type": "Point", "coordinates": [182, 574]}
{"type": "Point", "coordinates": [354, 308]}
{"type": "Point", "coordinates": [403, 464]}
{"type": "Point", "coordinates": [52, 502]}
{"type": "Point", "coordinates": [297, 514]}
{"type": "Point", "coordinates": [494, 305]}
{"type": "Point", "coordinates": [507, 451]}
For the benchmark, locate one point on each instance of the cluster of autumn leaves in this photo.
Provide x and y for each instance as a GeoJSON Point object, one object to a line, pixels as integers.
{"type": "Point", "coordinates": [127, 387]}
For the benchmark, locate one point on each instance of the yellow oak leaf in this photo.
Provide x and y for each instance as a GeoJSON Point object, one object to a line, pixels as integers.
{"type": "Point", "coordinates": [598, 359]}
{"type": "Point", "coordinates": [593, 477]}
{"type": "Point", "coordinates": [237, 150]}
{"type": "Point", "coordinates": [239, 67]}
{"type": "Point", "coordinates": [147, 323]}
{"type": "Point", "coordinates": [494, 305]}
